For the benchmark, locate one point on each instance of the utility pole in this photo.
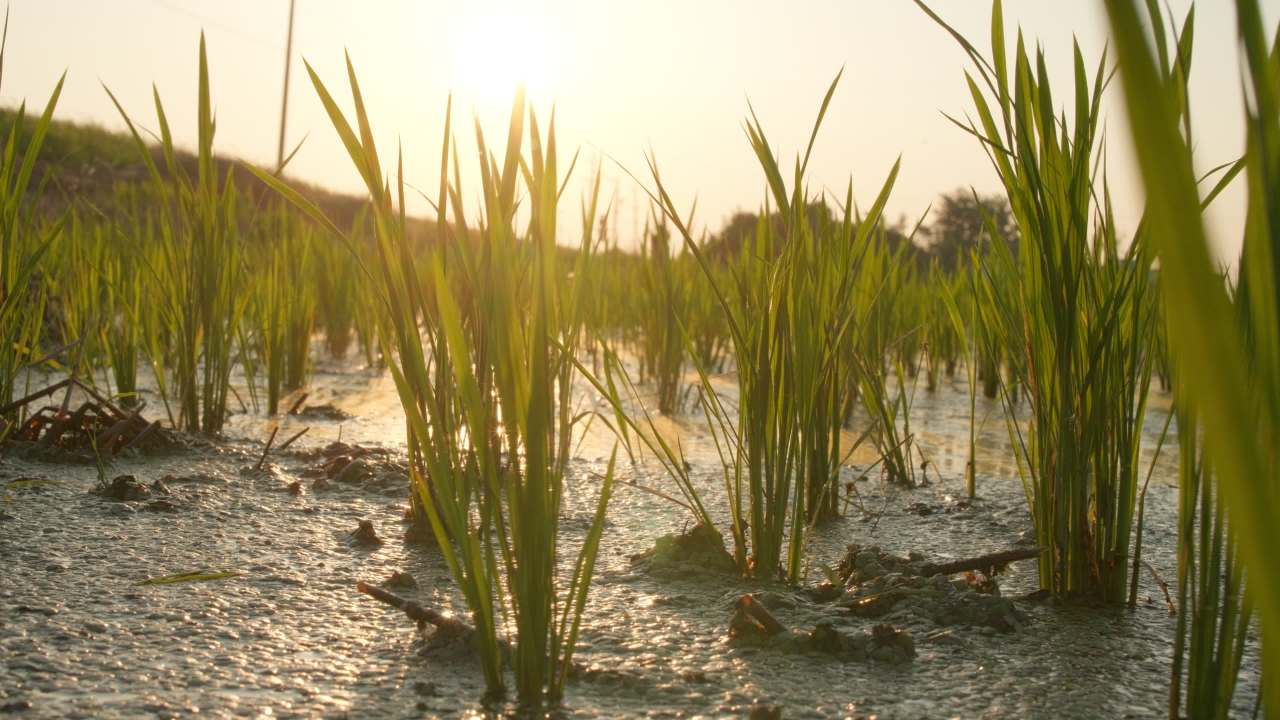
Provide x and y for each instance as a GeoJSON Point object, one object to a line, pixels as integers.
{"type": "Point", "coordinates": [284, 96]}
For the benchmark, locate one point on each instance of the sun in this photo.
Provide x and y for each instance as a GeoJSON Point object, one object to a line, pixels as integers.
{"type": "Point", "coordinates": [498, 51]}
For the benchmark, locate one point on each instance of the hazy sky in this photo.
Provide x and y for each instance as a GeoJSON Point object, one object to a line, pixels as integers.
{"type": "Point", "coordinates": [674, 76]}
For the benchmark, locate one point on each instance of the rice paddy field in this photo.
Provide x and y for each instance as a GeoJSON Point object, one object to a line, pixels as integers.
{"type": "Point", "coordinates": [271, 451]}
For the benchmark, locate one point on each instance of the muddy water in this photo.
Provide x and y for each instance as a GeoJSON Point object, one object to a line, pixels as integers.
{"type": "Point", "coordinates": [289, 636]}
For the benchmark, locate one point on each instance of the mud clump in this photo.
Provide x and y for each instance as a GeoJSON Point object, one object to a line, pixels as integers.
{"type": "Point", "coordinates": [401, 580]}
{"type": "Point", "coordinates": [371, 468]}
{"type": "Point", "coordinates": [751, 621]}
{"type": "Point", "coordinates": [884, 644]}
{"type": "Point", "coordinates": [950, 506]}
{"type": "Point", "coordinates": [327, 411]}
{"type": "Point", "coordinates": [156, 497]}
{"type": "Point", "coordinates": [698, 550]}
{"type": "Point", "coordinates": [881, 585]}
{"type": "Point", "coordinates": [891, 645]}
{"type": "Point", "coordinates": [752, 624]}
{"type": "Point", "coordinates": [861, 564]}
{"type": "Point", "coordinates": [127, 488]}
{"type": "Point", "coordinates": [365, 536]}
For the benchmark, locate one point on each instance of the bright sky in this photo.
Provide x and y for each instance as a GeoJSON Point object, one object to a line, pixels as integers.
{"type": "Point", "coordinates": [671, 75]}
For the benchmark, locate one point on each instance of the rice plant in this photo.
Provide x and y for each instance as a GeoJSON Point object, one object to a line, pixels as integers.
{"type": "Point", "coordinates": [1214, 620]}
{"type": "Point", "coordinates": [296, 244]}
{"type": "Point", "coordinates": [886, 348]}
{"type": "Point", "coordinates": [1224, 345]}
{"type": "Point", "coordinates": [956, 311]}
{"type": "Point", "coordinates": [664, 313]}
{"type": "Point", "coordinates": [791, 306]}
{"type": "Point", "coordinates": [121, 330]}
{"type": "Point", "coordinates": [1081, 315]}
{"type": "Point", "coordinates": [705, 325]}
{"type": "Point", "coordinates": [199, 265]}
{"type": "Point", "coordinates": [271, 297]}
{"type": "Point", "coordinates": [483, 357]}
{"type": "Point", "coordinates": [75, 283]}
{"type": "Point", "coordinates": [943, 339]}
{"type": "Point", "coordinates": [340, 296]}
{"type": "Point", "coordinates": [23, 242]}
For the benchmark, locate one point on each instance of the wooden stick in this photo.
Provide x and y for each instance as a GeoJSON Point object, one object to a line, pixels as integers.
{"type": "Point", "coordinates": [1164, 587]}
{"type": "Point", "coordinates": [285, 445]}
{"type": "Point", "coordinates": [16, 404]}
{"type": "Point", "coordinates": [56, 352]}
{"type": "Point", "coordinates": [416, 612]}
{"type": "Point", "coordinates": [147, 431]}
{"type": "Point", "coordinates": [293, 410]}
{"type": "Point", "coordinates": [107, 438]}
{"type": "Point", "coordinates": [267, 448]}
{"type": "Point", "coordinates": [64, 423]}
{"type": "Point", "coordinates": [982, 563]}
{"type": "Point", "coordinates": [236, 395]}
{"type": "Point", "coordinates": [120, 414]}
{"type": "Point", "coordinates": [751, 616]}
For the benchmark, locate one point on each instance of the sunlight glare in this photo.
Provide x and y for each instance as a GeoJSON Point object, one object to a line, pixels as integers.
{"type": "Point", "coordinates": [497, 50]}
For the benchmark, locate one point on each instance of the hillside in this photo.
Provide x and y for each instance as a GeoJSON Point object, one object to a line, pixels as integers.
{"type": "Point", "coordinates": [82, 164]}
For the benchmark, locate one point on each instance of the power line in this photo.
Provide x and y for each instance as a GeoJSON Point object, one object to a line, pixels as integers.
{"type": "Point", "coordinates": [207, 22]}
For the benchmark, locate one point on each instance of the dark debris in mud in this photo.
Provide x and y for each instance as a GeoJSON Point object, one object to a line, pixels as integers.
{"type": "Point", "coordinates": [371, 468]}
{"type": "Point", "coordinates": [753, 624]}
{"type": "Point", "coordinates": [62, 432]}
{"type": "Point", "coordinates": [882, 585]}
{"type": "Point", "coordinates": [401, 580]}
{"type": "Point", "coordinates": [168, 494]}
{"type": "Point", "coordinates": [365, 535]}
{"type": "Point", "coordinates": [327, 411]}
{"type": "Point", "coordinates": [124, 488]}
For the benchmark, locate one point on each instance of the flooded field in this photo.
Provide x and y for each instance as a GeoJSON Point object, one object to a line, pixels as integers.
{"type": "Point", "coordinates": [289, 636]}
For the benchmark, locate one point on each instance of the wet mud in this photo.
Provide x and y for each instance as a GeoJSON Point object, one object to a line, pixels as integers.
{"type": "Point", "coordinates": [266, 617]}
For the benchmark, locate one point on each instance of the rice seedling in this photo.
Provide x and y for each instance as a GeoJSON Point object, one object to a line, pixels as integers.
{"type": "Point", "coordinates": [121, 330]}
{"type": "Point", "coordinates": [23, 243]}
{"type": "Point", "coordinates": [76, 284]}
{"type": "Point", "coordinates": [886, 346]}
{"type": "Point", "coordinates": [271, 298]}
{"type": "Point", "coordinates": [1081, 317]}
{"type": "Point", "coordinates": [791, 306]}
{"type": "Point", "coordinates": [286, 294]}
{"type": "Point", "coordinates": [956, 313]}
{"type": "Point", "coordinates": [942, 342]}
{"type": "Point", "coordinates": [199, 265]}
{"type": "Point", "coordinates": [662, 350]}
{"type": "Point", "coordinates": [1214, 620]}
{"type": "Point", "coordinates": [337, 305]}
{"type": "Point", "coordinates": [483, 357]}
{"type": "Point", "coordinates": [705, 326]}
{"type": "Point", "coordinates": [1223, 343]}
{"type": "Point", "coordinates": [300, 309]}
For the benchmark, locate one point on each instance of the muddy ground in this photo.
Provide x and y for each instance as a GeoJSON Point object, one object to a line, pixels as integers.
{"type": "Point", "coordinates": [288, 635]}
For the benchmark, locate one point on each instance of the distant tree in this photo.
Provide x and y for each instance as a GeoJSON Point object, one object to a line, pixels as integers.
{"type": "Point", "coordinates": [959, 225]}
{"type": "Point", "coordinates": [729, 240]}
{"type": "Point", "coordinates": [742, 225]}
